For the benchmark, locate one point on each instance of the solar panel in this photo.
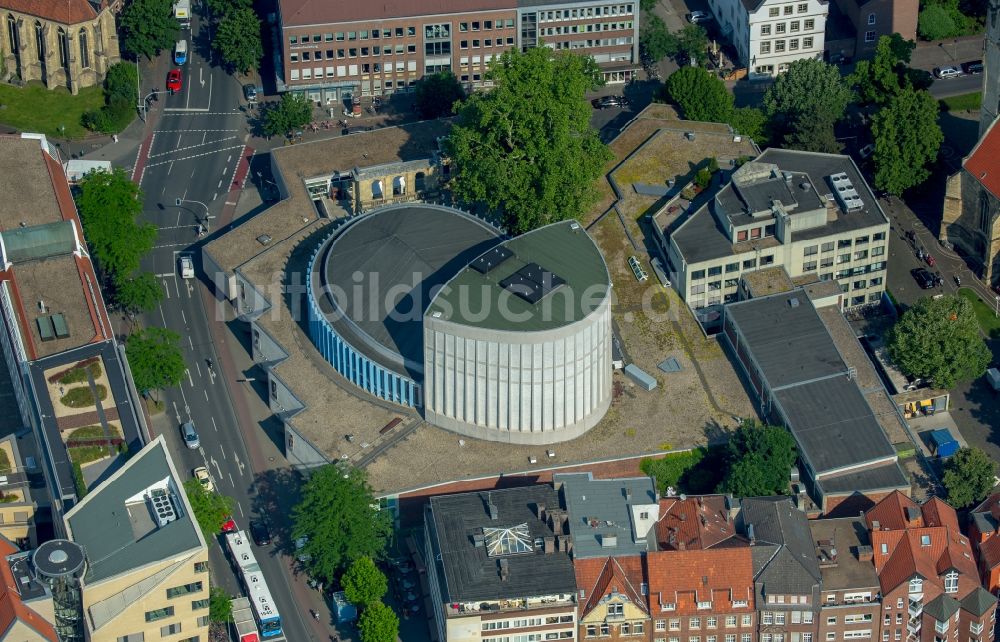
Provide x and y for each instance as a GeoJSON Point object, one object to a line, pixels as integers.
{"type": "Point", "coordinates": [490, 259]}
{"type": "Point", "coordinates": [532, 283]}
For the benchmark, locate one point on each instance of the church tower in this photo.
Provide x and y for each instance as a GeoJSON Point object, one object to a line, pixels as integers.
{"type": "Point", "coordinates": [991, 75]}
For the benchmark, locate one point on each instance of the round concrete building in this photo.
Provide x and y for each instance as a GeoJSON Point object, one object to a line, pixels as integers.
{"type": "Point", "coordinates": [517, 346]}
{"type": "Point", "coordinates": [429, 307]}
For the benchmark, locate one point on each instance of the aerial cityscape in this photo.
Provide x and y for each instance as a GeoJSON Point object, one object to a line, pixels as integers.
{"type": "Point", "coordinates": [500, 321]}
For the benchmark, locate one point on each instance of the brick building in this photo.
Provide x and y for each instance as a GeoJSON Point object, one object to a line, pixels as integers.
{"type": "Point", "coordinates": [612, 604]}
{"type": "Point", "coordinates": [929, 581]}
{"type": "Point", "coordinates": [849, 604]}
{"type": "Point", "coordinates": [330, 52]}
{"type": "Point", "coordinates": [696, 522]}
{"type": "Point", "coordinates": [984, 525]}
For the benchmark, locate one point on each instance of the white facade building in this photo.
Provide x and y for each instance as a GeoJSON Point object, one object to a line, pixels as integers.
{"type": "Point", "coordinates": [770, 34]}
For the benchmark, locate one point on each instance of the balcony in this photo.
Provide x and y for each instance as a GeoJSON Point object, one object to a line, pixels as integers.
{"type": "Point", "coordinates": [976, 628]}
{"type": "Point", "coordinates": [915, 609]}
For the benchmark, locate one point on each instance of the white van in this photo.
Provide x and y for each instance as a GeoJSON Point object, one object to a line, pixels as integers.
{"type": "Point", "coordinates": [181, 52]}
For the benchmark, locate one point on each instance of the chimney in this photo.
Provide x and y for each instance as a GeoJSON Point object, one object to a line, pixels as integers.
{"type": "Point", "coordinates": [833, 555]}
{"type": "Point", "coordinates": [550, 545]}
{"type": "Point", "coordinates": [478, 539]}
{"type": "Point", "coordinates": [750, 535]}
{"type": "Point", "coordinates": [628, 493]}
{"type": "Point", "coordinates": [732, 506]}
{"type": "Point", "coordinates": [540, 511]}
{"type": "Point", "coordinates": [865, 553]}
{"type": "Point", "coordinates": [681, 546]}
{"type": "Point", "coordinates": [504, 569]}
{"type": "Point", "coordinates": [876, 525]}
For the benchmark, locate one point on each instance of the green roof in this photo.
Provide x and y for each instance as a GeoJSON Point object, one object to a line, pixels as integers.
{"type": "Point", "coordinates": [564, 249]}
{"type": "Point", "coordinates": [115, 526]}
{"type": "Point", "coordinates": [38, 241]}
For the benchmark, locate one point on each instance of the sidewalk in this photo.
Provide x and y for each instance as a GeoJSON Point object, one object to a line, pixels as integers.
{"type": "Point", "coordinates": [952, 51]}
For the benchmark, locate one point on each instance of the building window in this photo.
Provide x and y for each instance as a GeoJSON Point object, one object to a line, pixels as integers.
{"type": "Point", "coordinates": [661, 625]}
{"type": "Point", "coordinates": [779, 28]}
{"type": "Point", "coordinates": [831, 621]}
{"type": "Point", "coordinates": [177, 591]}
{"type": "Point", "coordinates": [766, 260]}
{"type": "Point", "coordinates": [773, 12]}
{"type": "Point", "coordinates": [694, 623]}
{"type": "Point", "coordinates": [13, 37]}
{"type": "Point", "coordinates": [202, 567]}
{"type": "Point", "coordinates": [675, 624]}
{"type": "Point", "coordinates": [749, 264]}
{"type": "Point", "coordinates": [803, 7]}
{"type": "Point", "coordinates": [809, 251]}
{"type": "Point", "coordinates": [615, 608]}
{"type": "Point", "coordinates": [697, 275]}
{"type": "Point", "coordinates": [807, 637]}
{"type": "Point", "coordinates": [793, 44]}
{"type": "Point", "coordinates": [84, 49]}
{"type": "Point", "coordinates": [199, 604]}
{"type": "Point", "coordinates": [951, 582]}
{"type": "Point", "coordinates": [917, 584]}
{"type": "Point", "coordinates": [742, 234]}
{"type": "Point", "coordinates": [159, 614]}
{"type": "Point", "coordinates": [712, 621]}
{"type": "Point", "coordinates": [779, 46]}
{"type": "Point", "coordinates": [170, 629]}
{"type": "Point", "coordinates": [624, 629]}
{"type": "Point", "coordinates": [871, 19]}
{"type": "Point", "coordinates": [765, 30]}
{"type": "Point", "coordinates": [869, 36]}
{"type": "Point", "coordinates": [730, 619]}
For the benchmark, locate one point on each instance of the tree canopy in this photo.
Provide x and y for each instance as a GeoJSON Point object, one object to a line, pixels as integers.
{"type": "Point", "coordinates": [291, 113]}
{"type": "Point", "coordinates": [221, 8]}
{"type": "Point", "coordinates": [363, 583]}
{"type": "Point", "coordinates": [907, 140]}
{"type": "Point", "coordinates": [238, 40]}
{"type": "Point", "coordinates": [210, 509]}
{"type": "Point", "coordinates": [969, 476]}
{"type": "Point", "coordinates": [155, 357]}
{"type": "Point", "coordinates": [526, 147]}
{"type": "Point", "coordinates": [336, 514]}
{"type": "Point", "coordinates": [109, 204]}
{"type": "Point", "coordinates": [378, 623]}
{"type": "Point", "coordinates": [936, 22]}
{"type": "Point", "coordinates": [138, 293]}
{"type": "Point", "coordinates": [220, 606]}
{"type": "Point", "coordinates": [759, 458]}
{"type": "Point", "coordinates": [700, 95]}
{"type": "Point", "coordinates": [149, 27]}
{"type": "Point", "coordinates": [658, 42]}
{"type": "Point", "coordinates": [939, 340]}
{"type": "Point", "coordinates": [884, 76]}
{"type": "Point", "coordinates": [805, 102]}
{"type": "Point", "coordinates": [436, 95]}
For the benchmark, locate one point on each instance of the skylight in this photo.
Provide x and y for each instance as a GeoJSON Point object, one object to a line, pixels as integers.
{"type": "Point", "coordinates": [508, 541]}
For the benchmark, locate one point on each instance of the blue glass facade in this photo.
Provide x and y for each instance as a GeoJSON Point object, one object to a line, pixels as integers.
{"type": "Point", "coordinates": [356, 367]}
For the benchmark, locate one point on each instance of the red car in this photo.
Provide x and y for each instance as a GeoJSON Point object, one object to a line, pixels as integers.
{"type": "Point", "coordinates": [174, 80]}
{"type": "Point", "coordinates": [229, 525]}
{"type": "Point", "coordinates": [930, 260]}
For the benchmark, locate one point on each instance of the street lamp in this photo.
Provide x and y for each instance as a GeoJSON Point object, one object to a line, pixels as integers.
{"type": "Point", "coordinates": [208, 217]}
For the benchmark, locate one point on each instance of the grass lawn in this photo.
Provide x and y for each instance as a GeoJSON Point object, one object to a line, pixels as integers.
{"type": "Point", "coordinates": [90, 432]}
{"type": "Point", "coordinates": [986, 314]}
{"type": "Point", "coordinates": [696, 471]}
{"type": "Point", "coordinates": [36, 109]}
{"type": "Point", "coordinates": [81, 397]}
{"type": "Point", "coordinates": [86, 454]}
{"type": "Point", "coordinates": [963, 102]}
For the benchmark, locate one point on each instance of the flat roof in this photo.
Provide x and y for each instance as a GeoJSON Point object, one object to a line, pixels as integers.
{"type": "Point", "coordinates": [841, 537]}
{"type": "Point", "coordinates": [788, 340]}
{"type": "Point", "coordinates": [26, 179]}
{"type": "Point", "coordinates": [887, 477]}
{"type": "Point", "coordinates": [398, 257]}
{"type": "Point", "coordinates": [116, 537]}
{"type": "Point", "coordinates": [563, 250]}
{"type": "Point", "coordinates": [316, 12]}
{"type": "Point", "coordinates": [601, 507]}
{"type": "Point", "coordinates": [471, 573]}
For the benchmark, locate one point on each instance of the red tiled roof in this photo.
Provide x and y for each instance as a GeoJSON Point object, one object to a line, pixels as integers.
{"type": "Point", "coordinates": [990, 505]}
{"type": "Point", "coordinates": [11, 607]}
{"type": "Point", "coordinates": [599, 576]}
{"type": "Point", "coordinates": [982, 162]}
{"type": "Point", "coordinates": [693, 523]}
{"type": "Point", "coordinates": [937, 512]}
{"type": "Point", "coordinates": [928, 551]}
{"type": "Point", "coordinates": [319, 12]}
{"type": "Point", "coordinates": [890, 513]}
{"type": "Point", "coordinates": [989, 552]}
{"type": "Point", "coordinates": [67, 12]}
{"type": "Point", "coordinates": [685, 577]}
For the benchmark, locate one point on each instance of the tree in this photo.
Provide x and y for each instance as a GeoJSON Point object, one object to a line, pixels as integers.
{"type": "Point", "coordinates": [655, 39]}
{"type": "Point", "coordinates": [139, 293]}
{"type": "Point", "coordinates": [647, 5]}
{"type": "Point", "coordinates": [939, 340]}
{"type": "Point", "coordinates": [759, 458]}
{"type": "Point", "coordinates": [122, 80]}
{"type": "Point", "coordinates": [286, 116]}
{"type": "Point", "coordinates": [969, 476]}
{"type": "Point", "coordinates": [149, 27]}
{"type": "Point", "coordinates": [884, 76]}
{"type": "Point", "coordinates": [337, 518]}
{"type": "Point", "coordinates": [222, 8]}
{"type": "Point", "coordinates": [109, 204]}
{"type": "Point", "coordinates": [936, 22]}
{"type": "Point", "coordinates": [363, 583]}
{"type": "Point", "coordinates": [210, 510]}
{"type": "Point", "coordinates": [658, 42]}
{"type": "Point", "coordinates": [156, 359]}
{"type": "Point", "coordinates": [437, 94]}
{"type": "Point", "coordinates": [220, 606]}
{"type": "Point", "coordinates": [378, 623]}
{"type": "Point", "coordinates": [238, 40]}
{"type": "Point", "coordinates": [907, 140]}
{"type": "Point", "coordinates": [526, 147]}
{"type": "Point", "coordinates": [804, 103]}
{"type": "Point", "coordinates": [700, 95]}
{"type": "Point", "coordinates": [750, 122]}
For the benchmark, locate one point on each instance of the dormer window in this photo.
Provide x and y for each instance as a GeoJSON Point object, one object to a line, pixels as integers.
{"type": "Point", "coordinates": [916, 585]}
{"type": "Point", "coordinates": [951, 582]}
{"type": "Point", "coordinates": [668, 606]}
{"type": "Point", "coordinates": [704, 605]}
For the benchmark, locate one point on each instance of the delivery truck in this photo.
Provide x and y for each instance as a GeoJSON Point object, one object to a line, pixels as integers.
{"type": "Point", "coordinates": [182, 11]}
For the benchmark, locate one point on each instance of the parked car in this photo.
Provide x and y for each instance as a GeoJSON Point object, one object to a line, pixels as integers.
{"type": "Point", "coordinates": [260, 533]}
{"type": "Point", "coordinates": [929, 258]}
{"type": "Point", "coordinates": [201, 474]}
{"type": "Point", "coordinates": [228, 525]}
{"type": "Point", "coordinates": [190, 435]}
{"type": "Point", "coordinates": [866, 151]}
{"type": "Point", "coordinates": [174, 81]}
{"type": "Point", "coordinates": [698, 16]}
{"type": "Point", "coordinates": [250, 92]}
{"type": "Point", "coordinates": [187, 267]}
{"type": "Point", "coordinates": [923, 278]}
{"type": "Point", "coordinates": [606, 102]}
{"type": "Point", "coordinates": [947, 72]}
{"type": "Point", "coordinates": [973, 67]}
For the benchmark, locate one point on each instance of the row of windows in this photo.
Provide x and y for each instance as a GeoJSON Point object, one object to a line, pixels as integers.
{"type": "Point", "coordinates": [842, 244]}
{"type": "Point", "coordinates": [587, 28]}
{"type": "Point", "coordinates": [729, 637]}
{"type": "Point", "coordinates": [499, 23]}
{"type": "Point", "coordinates": [177, 591]}
{"type": "Point", "coordinates": [711, 622]}
{"type": "Point", "coordinates": [793, 26]}
{"type": "Point", "coordinates": [788, 10]}
{"type": "Point", "coordinates": [755, 233]}
{"type": "Point", "coordinates": [340, 36]}
{"type": "Point", "coordinates": [624, 629]}
{"type": "Point", "coordinates": [585, 44]}
{"type": "Point", "coordinates": [586, 12]}
{"type": "Point", "coordinates": [343, 71]}
{"type": "Point", "coordinates": [792, 44]}
{"type": "Point", "coordinates": [520, 623]}
{"type": "Point", "coordinates": [780, 617]}
{"type": "Point", "coordinates": [476, 60]}
{"type": "Point", "coordinates": [363, 52]}
{"type": "Point", "coordinates": [533, 637]}
{"type": "Point", "coordinates": [487, 43]}
{"type": "Point", "coordinates": [62, 39]}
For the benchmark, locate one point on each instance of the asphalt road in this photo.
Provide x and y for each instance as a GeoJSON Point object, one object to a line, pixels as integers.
{"type": "Point", "coordinates": [965, 84]}
{"type": "Point", "coordinates": [197, 143]}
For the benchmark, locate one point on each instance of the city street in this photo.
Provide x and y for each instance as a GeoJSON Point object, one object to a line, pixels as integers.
{"type": "Point", "coordinates": [195, 150]}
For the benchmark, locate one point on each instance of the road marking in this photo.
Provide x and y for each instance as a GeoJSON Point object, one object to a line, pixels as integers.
{"type": "Point", "coordinates": [223, 451]}
{"type": "Point", "coordinates": [183, 316]}
{"type": "Point", "coordinates": [201, 144]}
{"type": "Point", "coordinates": [234, 485]}
{"type": "Point", "coordinates": [197, 111]}
{"type": "Point", "coordinates": [194, 131]}
{"type": "Point", "coordinates": [172, 245]}
{"type": "Point", "coordinates": [240, 506]}
{"type": "Point", "coordinates": [231, 203]}
{"type": "Point", "coordinates": [178, 142]}
{"type": "Point", "coordinates": [163, 318]}
{"type": "Point", "coordinates": [230, 156]}
{"type": "Point", "coordinates": [217, 468]}
{"type": "Point", "coordinates": [176, 411]}
{"type": "Point", "coordinates": [190, 340]}
{"type": "Point", "coordinates": [238, 463]}
{"type": "Point", "coordinates": [165, 274]}
{"type": "Point", "coordinates": [197, 366]}
{"type": "Point", "coordinates": [167, 288]}
{"type": "Point", "coordinates": [187, 407]}
{"type": "Point", "coordinates": [227, 163]}
{"type": "Point", "coordinates": [214, 425]}
{"type": "Point", "coordinates": [203, 137]}
{"type": "Point", "coordinates": [190, 380]}
{"type": "Point", "coordinates": [169, 169]}
{"type": "Point", "coordinates": [164, 162]}
{"type": "Point", "coordinates": [178, 291]}
{"type": "Point", "coordinates": [206, 393]}
{"type": "Point", "coordinates": [215, 196]}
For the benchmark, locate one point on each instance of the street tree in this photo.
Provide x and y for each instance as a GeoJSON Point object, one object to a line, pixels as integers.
{"type": "Point", "coordinates": [238, 40]}
{"type": "Point", "coordinates": [654, 38]}
{"type": "Point", "coordinates": [750, 122]}
{"type": "Point", "coordinates": [700, 95]}
{"type": "Point", "coordinates": [337, 517]}
{"type": "Point", "coordinates": [288, 115]}
{"type": "Point", "coordinates": [222, 8]}
{"type": "Point", "coordinates": [110, 204]}
{"type": "Point", "coordinates": [969, 476]}
{"type": "Point", "coordinates": [220, 606]}
{"type": "Point", "coordinates": [138, 293]}
{"type": "Point", "coordinates": [378, 623]}
{"type": "Point", "coordinates": [363, 583]}
{"type": "Point", "coordinates": [759, 458]}
{"type": "Point", "coordinates": [526, 147]}
{"type": "Point", "coordinates": [691, 43]}
{"type": "Point", "coordinates": [884, 76]}
{"type": "Point", "coordinates": [907, 140]}
{"type": "Point", "coordinates": [805, 102]}
{"type": "Point", "coordinates": [939, 339]}
{"type": "Point", "coordinates": [155, 357]}
{"type": "Point", "coordinates": [210, 510]}
{"type": "Point", "coordinates": [148, 26]}
{"type": "Point", "coordinates": [658, 42]}
{"type": "Point", "coordinates": [436, 95]}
